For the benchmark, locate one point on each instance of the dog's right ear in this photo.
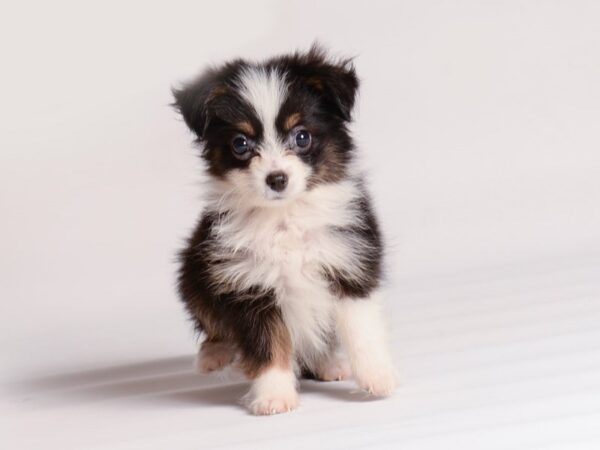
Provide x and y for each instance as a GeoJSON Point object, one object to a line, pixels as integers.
{"type": "Point", "coordinates": [193, 99]}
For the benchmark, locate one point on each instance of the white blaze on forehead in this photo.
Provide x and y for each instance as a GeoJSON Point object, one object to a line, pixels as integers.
{"type": "Point", "coordinates": [265, 90]}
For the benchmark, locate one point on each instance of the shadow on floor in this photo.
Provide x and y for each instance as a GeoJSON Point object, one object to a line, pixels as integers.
{"type": "Point", "coordinates": [169, 381]}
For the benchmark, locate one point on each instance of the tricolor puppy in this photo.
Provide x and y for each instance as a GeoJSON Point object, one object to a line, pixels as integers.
{"type": "Point", "coordinates": [282, 273]}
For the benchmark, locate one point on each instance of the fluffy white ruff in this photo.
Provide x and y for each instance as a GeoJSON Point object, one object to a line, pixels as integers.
{"type": "Point", "coordinates": [286, 248]}
{"type": "Point", "coordinates": [362, 334]}
{"type": "Point", "coordinates": [273, 392]}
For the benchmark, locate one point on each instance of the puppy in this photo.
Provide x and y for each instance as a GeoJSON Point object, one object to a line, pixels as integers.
{"type": "Point", "coordinates": [282, 273]}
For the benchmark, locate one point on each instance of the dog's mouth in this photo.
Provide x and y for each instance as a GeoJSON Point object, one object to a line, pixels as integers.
{"type": "Point", "coordinates": [276, 197]}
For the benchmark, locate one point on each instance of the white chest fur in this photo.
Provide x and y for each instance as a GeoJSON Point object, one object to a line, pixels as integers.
{"type": "Point", "coordinates": [286, 248]}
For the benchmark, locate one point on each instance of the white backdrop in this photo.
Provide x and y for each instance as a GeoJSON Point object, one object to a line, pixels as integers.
{"type": "Point", "coordinates": [478, 123]}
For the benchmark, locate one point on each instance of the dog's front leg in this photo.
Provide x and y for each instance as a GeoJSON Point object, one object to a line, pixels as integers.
{"type": "Point", "coordinates": [266, 352]}
{"type": "Point", "coordinates": [362, 333]}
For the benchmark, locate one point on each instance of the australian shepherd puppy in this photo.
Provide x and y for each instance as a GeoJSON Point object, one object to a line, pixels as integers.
{"type": "Point", "coordinates": [282, 273]}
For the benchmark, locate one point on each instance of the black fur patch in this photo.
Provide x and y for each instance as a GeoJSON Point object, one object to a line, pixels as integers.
{"type": "Point", "coordinates": [246, 319]}
{"type": "Point", "coordinates": [366, 230]}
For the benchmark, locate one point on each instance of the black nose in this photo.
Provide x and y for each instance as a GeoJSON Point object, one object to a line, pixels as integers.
{"type": "Point", "coordinates": [277, 181]}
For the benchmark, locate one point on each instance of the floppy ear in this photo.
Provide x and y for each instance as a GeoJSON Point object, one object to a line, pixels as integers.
{"type": "Point", "coordinates": [334, 81]}
{"type": "Point", "coordinates": [192, 100]}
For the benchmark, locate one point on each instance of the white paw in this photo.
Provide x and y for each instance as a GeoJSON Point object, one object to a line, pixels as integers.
{"type": "Point", "coordinates": [273, 405]}
{"type": "Point", "coordinates": [214, 356]}
{"type": "Point", "coordinates": [273, 392]}
{"type": "Point", "coordinates": [379, 383]}
{"type": "Point", "coordinates": [334, 369]}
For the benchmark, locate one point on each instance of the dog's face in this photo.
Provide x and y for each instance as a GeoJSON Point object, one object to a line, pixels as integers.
{"type": "Point", "coordinates": [274, 130]}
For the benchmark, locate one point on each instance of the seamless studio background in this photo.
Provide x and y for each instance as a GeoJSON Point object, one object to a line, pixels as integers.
{"type": "Point", "coordinates": [478, 127]}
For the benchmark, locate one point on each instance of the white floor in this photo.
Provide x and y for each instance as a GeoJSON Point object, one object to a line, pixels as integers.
{"type": "Point", "coordinates": [505, 358]}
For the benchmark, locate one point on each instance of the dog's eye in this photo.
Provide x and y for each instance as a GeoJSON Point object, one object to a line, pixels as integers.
{"type": "Point", "coordinates": [302, 139]}
{"type": "Point", "coordinates": [240, 145]}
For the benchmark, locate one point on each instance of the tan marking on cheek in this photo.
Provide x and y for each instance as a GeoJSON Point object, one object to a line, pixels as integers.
{"type": "Point", "coordinates": [246, 128]}
{"type": "Point", "coordinates": [332, 168]}
{"type": "Point", "coordinates": [292, 121]}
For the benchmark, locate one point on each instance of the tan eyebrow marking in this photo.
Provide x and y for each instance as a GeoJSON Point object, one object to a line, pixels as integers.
{"type": "Point", "coordinates": [246, 128]}
{"type": "Point", "coordinates": [292, 121]}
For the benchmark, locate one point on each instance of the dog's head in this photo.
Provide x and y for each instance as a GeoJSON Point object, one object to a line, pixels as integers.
{"type": "Point", "coordinates": [273, 130]}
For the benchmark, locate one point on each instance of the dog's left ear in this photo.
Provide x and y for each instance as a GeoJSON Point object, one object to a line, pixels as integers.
{"type": "Point", "coordinates": [335, 82]}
